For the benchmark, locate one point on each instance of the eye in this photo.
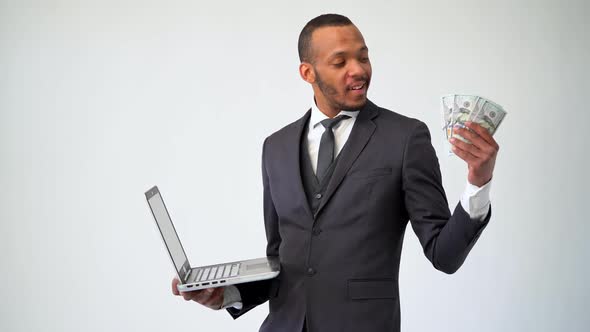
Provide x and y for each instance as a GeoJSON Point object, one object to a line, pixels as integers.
{"type": "Point", "coordinates": [364, 59]}
{"type": "Point", "coordinates": [338, 64]}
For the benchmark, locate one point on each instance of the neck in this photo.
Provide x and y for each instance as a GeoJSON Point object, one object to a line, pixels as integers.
{"type": "Point", "coordinates": [325, 108]}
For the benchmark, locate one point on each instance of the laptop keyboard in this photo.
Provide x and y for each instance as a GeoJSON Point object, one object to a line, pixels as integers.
{"type": "Point", "coordinates": [217, 272]}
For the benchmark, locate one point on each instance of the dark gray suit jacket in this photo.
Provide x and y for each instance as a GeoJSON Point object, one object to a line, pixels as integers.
{"type": "Point", "coordinates": [340, 266]}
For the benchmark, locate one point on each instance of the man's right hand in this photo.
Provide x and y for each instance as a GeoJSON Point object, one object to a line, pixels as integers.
{"type": "Point", "coordinates": [211, 297]}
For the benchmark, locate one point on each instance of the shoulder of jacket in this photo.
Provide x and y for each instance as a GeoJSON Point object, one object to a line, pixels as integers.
{"type": "Point", "coordinates": [399, 122]}
{"type": "Point", "coordinates": [287, 131]}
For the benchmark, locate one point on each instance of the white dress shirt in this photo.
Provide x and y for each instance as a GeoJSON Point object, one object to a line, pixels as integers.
{"type": "Point", "coordinates": [315, 130]}
{"type": "Point", "coordinates": [475, 200]}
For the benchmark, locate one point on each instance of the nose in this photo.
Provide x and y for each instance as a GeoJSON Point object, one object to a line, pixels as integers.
{"type": "Point", "coordinates": [356, 69]}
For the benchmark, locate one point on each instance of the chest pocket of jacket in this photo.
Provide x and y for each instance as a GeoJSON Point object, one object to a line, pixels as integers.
{"type": "Point", "coordinates": [372, 289]}
{"type": "Point", "coordinates": [370, 173]}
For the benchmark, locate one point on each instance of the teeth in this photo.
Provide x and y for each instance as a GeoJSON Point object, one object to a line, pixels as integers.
{"type": "Point", "coordinates": [358, 87]}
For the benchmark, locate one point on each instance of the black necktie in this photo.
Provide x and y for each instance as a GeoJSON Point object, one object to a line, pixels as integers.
{"type": "Point", "coordinates": [326, 153]}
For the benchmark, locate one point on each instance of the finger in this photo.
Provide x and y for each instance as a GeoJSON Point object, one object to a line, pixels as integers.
{"type": "Point", "coordinates": [485, 134]}
{"type": "Point", "coordinates": [212, 296]}
{"type": "Point", "coordinates": [465, 155]}
{"type": "Point", "coordinates": [477, 141]}
{"type": "Point", "coordinates": [194, 295]}
{"type": "Point", "coordinates": [482, 132]}
{"type": "Point", "coordinates": [203, 295]}
{"type": "Point", "coordinates": [187, 296]}
{"type": "Point", "coordinates": [175, 282]}
{"type": "Point", "coordinates": [216, 299]}
{"type": "Point", "coordinates": [469, 148]}
{"type": "Point", "coordinates": [217, 302]}
{"type": "Point", "coordinates": [209, 293]}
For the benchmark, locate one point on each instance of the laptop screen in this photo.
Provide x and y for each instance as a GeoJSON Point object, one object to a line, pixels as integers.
{"type": "Point", "coordinates": [168, 232]}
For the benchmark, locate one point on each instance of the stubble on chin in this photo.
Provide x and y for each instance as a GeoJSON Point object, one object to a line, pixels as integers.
{"type": "Point", "coordinates": [343, 106]}
{"type": "Point", "coordinates": [331, 94]}
{"type": "Point", "coordinates": [355, 107]}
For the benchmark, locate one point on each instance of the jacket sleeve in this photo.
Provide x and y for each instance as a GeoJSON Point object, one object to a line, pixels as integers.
{"type": "Point", "coordinates": [445, 238]}
{"type": "Point", "coordinates": [258, 292]}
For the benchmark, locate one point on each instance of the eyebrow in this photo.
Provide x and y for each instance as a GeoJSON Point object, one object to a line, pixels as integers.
{"type": "Point", "coordinates": [341, 53]}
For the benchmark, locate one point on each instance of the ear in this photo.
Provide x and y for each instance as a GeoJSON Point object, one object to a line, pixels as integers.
{"type": "Point", "coordinates": [307, 73]}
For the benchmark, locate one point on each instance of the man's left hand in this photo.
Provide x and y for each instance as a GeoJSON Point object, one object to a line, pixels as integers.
{"type": "Point", "coordinates": [480, 155]}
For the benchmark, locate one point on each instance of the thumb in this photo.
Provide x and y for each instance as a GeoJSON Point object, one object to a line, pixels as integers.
{"type": "Point", "coordinates": [175, 282]}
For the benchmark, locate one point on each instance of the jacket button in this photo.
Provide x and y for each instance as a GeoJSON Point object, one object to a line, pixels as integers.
{"type": "Point", "coordinates": [310, 271]}
{"type": "Point", "coordinates": [316, 231]}
{"type": "Point", "coordinates": [318, 195]}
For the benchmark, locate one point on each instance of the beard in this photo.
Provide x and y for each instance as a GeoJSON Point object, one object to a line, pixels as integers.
{"type": "Point", "coordinates": [331, 94]}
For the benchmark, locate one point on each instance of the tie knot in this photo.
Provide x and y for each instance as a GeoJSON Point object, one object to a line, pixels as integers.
{"type": "Point", "coordinates": [329, 123]}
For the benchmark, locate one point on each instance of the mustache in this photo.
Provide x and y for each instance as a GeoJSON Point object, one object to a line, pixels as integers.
{"type": "Point", "coordinates": [359, 79]}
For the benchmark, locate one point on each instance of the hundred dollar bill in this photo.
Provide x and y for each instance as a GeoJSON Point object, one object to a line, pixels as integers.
{"type": "Point", "coordinates": [448, 105]}
{"type": "Point", "coordinates": [458, 109]}
{"type": "Point", "coordinates": [477, 107]}
{"type": "Point", "coordinates": [465, 107]}
{"type": "Point", "coordinates": [490, 116]}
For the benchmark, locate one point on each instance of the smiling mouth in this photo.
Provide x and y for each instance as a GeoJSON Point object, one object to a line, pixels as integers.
{"type": "Point", "coordinates": [358, 86]}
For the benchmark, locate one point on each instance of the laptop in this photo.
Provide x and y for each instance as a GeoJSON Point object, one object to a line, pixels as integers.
{"type": "Point", "coordinates": [195, 278]}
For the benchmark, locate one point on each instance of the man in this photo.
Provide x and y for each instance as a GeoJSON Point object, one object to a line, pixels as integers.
{"type": "Point", "coordinates": [340, 185]}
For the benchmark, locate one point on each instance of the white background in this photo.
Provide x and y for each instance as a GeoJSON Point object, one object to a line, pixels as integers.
{"type": "Point", "coordinates": [101, 100]}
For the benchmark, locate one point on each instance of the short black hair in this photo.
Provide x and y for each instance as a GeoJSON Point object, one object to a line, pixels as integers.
{"type": "Point", "coordinates": [326, 20]}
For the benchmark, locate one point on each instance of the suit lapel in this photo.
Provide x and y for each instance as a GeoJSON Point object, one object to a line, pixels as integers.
{"type": "Point", "coordinates": [359, 137]}
{"type": "Point", "coordinates": [293, 165]}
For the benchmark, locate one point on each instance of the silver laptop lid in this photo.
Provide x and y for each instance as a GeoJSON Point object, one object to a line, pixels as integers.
{"type": "Point", "coordinates": [169, 235]}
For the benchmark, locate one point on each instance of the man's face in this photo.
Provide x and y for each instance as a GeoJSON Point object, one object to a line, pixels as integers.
{"type": "Point", "coordinates": [341, 66]}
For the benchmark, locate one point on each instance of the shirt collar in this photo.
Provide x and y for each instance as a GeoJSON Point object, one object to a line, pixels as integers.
{"type": "Point", "coordinates": [317, 116]}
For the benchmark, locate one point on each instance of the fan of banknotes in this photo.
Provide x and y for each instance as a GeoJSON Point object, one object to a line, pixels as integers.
{"type": "Point", "coordinates": [458, 109]}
